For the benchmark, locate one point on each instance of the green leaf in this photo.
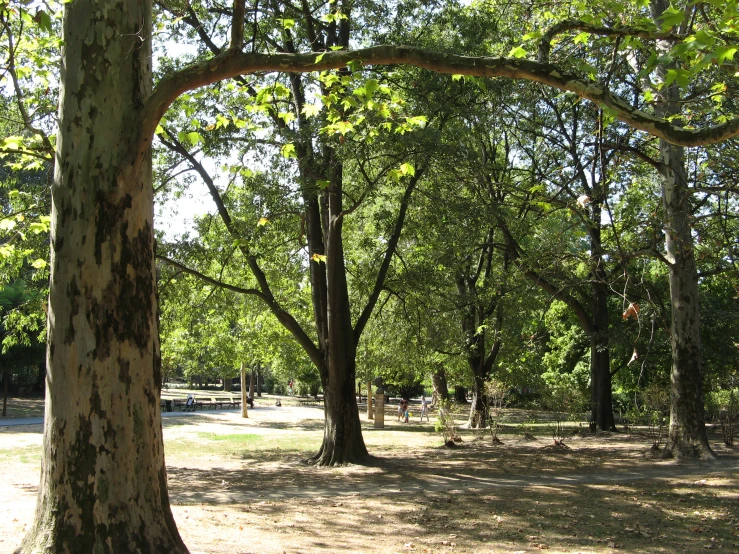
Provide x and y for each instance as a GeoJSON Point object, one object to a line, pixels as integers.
{"type": "Point", "coordinates": [533, 35]}
{"type": "Point", "coordinates": [287, 117]}
{"type": "Point", "coordinates": [287, 23]}
{"type": "Point", "coordinates": [318, 258]}
{"type": "Point", "coordinates": [262, 222]}
{"type": "Point", "coordinates": [407, 169]}
{"type": "Point", "coordinates": [38, 227]}
{"type": "Point", "coordinates": [39, 263]}
{"type": "Point", "coordinates": [288, 151]}
{"type": "Point", "coordinates": [681, 76]}
{"type": "Point", "coordinates": [7, 224]}
{"type": "Point", "coordinates": [43, 20]}
{"type": "Point", "coordinates": [322, 184]}
{"type": "Point", "coordinates": [221, 121]}
{"type": "Point", "coordinates": [189, 138]}
{"type": "Point", "coordinates": [517, 52]}
{"type": "Point", "coordinates": [457, 77]}
{"type": "Point", "coordinates": [319, 57]}
{"type": "Point", "coordinates": [311, 110]}
{"type": "Point", "coordinates": [13, 142]}
{"type": "Point", "coordinates": [582, 38]}
{"type": "Point", "coordinates": [671, 17]}
{"type": "Point", "coordinates": [417, 121]}
{"type": "Point", "coordinates": [335, 48]}
{"type": "Point", "coordinates": [725, 53]}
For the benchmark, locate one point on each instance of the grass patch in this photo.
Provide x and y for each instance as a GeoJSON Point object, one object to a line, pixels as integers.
{"type": "Point", "coordinates": [21, 455]}
{"type": "Point", "coordinates": [244, 445]}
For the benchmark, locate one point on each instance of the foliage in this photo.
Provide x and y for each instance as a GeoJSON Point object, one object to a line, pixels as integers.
{"type": "Point", "coordinates": [445, 424]}
{"type": "Point", "coordinates": [563, 402]}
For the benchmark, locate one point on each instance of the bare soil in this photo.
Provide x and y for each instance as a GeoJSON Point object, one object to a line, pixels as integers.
{"type": "Point", "coordinates": [242, 486]}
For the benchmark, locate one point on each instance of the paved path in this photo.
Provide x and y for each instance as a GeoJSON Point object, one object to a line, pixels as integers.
{"type": "Point", "coordinates": [13, 421]}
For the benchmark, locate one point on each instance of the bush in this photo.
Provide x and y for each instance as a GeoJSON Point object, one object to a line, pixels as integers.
{"type": "Point", "coordinates": [445, 423]}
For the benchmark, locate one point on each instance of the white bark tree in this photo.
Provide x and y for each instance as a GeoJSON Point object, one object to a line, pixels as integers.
{"type": "Point", "coordinates": [103, 482]}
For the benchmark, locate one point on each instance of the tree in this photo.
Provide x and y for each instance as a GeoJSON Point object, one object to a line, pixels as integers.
{"type": "Point", "coordinates": [103, 482]}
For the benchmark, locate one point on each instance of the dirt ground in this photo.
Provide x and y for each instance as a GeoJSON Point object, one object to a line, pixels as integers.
{"type": "Point", "coordinates": [241, 486]}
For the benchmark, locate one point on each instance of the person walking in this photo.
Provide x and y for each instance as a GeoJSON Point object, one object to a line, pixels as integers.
{"type": "Point", "coordinates": [424, 409]}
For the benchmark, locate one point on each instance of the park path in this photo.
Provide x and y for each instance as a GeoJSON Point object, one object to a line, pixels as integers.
{"type": "Point", "coordinates": [228, 485]}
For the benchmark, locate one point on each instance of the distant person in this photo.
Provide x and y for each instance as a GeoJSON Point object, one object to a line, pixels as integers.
{"type": "Point", "coordinates": [400, 410]}
{"type": "Point", "coordinates": [250, 401]}
{"type": "Point", "coordinates": [404, 405]}
{"type": "Point", "coordinates": [290, 384]}
{"type": "Point", "coordinates": [424, 409]}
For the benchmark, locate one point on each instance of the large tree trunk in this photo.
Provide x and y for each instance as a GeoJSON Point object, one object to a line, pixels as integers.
{"type": "Point", "coordinates": [103, 482]}
{"type": "Point", "coordinates": [687, 413]}
{"type": "Point", "coordinates": [441, 387]}
{"type": "Point", "coordinates": [342, 437]}
{"type": "Point", "coordinates": [479, 407]}
{"type": "Point", "coordinates": [601, 417]}
{"type": "Point", "coordinates": [687, 435]}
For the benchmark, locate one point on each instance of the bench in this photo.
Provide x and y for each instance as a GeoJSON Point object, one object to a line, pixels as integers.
{"type": "Point", "coordinates": [310, 400]}
{"type": "Point", "coordinates": [180, 404]}
{"type": "Point", "coordinates": [228, 401]}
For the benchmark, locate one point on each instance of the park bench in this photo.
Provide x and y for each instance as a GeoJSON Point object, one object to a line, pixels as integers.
{"type": "Point", "coordinates": [310, 400]}
{"type": "Point", "coordinates": [227, 401]}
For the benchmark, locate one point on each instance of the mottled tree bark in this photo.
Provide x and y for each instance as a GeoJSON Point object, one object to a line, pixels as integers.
{"type": "Point", "coordinates": [687, 434]}
{"type": "Point", "coordinates": [103, 482]}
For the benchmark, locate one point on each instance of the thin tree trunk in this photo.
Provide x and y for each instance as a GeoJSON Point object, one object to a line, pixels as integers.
{"type": "Point", "coordinates": [6, 379]}
{"type": "Point", "coordinates": [227, 384]}
{"type": "Point", "coordinates": [244, 406]}
{"type": "Point", "coordinates": [103, 481]}
{"type": "Point", "coordinates": [252, 379]}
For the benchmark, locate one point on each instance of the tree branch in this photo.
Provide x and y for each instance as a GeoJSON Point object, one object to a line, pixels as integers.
{"type": "Point", "coordinates": [237, 25]}
{"type": "Point", "coordinates": [232, 63]}
{"type": "Point", "coordinates": [391, 245]}
{"type": "Point", "coordinates": [210, 280]}
{"type": "Point", "coordinates": [545, 42]}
